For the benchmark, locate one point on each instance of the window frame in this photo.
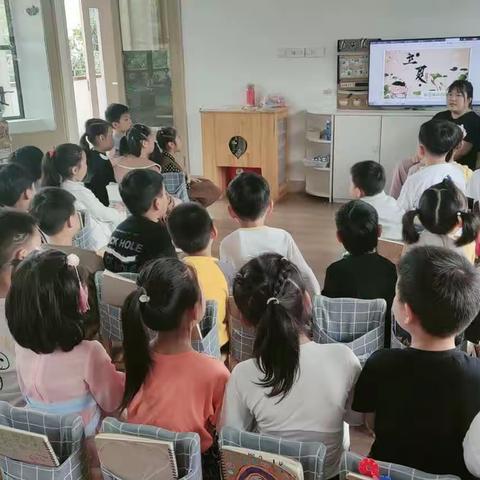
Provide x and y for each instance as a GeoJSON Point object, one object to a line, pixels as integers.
{"type": "Point", "coordinates": [13, 51]}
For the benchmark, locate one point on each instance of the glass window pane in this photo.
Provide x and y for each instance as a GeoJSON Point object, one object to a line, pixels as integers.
{"type": "Point", "coordinates": [7, 81]}
{"type": "Point", "coordinates": [4, 34]}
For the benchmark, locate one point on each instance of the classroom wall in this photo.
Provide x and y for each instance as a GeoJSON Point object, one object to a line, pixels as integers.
{"type": "Point", "coordinates": [229, 43]}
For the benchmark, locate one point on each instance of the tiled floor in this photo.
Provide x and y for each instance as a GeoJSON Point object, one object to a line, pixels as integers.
{"type": "Point", "coordinates": [311, 221]}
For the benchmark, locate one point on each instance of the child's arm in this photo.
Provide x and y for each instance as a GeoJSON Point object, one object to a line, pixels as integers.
{"type": "Point", "coordinates": [105, 383]}
{"type": "Point", "coordinates": [296, 257]}
{"type": "Point", "coordinates": [471, 447]}
{"type": "Point", "coordinates": [98, 210]}
{"type": "Point", "coordinates": [235, 412]}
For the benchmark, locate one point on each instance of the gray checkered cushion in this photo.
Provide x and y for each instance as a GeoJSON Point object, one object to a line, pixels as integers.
{"type": "Point", "coordinates": [176, 185]}
{"type": "Point", "coordinates": [310, 454]}
{"type": "Point", "coordinates": [186, 445]}
{"type": "Point", "coordinates": [66, 435]}
{"type": "Point", "coordinates": [111, 321]}
{"type": "Point", "coordinates": [242, 337]}
{"type": "Point", "coordinates": [85, 238]}
{"type": "Point", "coordinates": [110, 316]}
{"type": "Point", "coordinates": [350, 461]}
{"type": "Point", "coordinates": [210, 345]}
{"type": "Point", "coordinates": [359, 324]}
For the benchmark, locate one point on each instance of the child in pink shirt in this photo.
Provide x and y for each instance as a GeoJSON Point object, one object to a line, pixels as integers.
{"type": "Point", "coordinates": [58, 371]}
{"type": "Point", "coordinates": [168, 384]}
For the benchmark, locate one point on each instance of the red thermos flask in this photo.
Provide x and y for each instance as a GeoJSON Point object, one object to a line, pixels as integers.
{"type": "Point", "coordinates": [251, 95]}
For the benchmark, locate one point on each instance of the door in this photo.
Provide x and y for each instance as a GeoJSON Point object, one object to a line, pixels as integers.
{"type": "Point", "coordinates": [399, 140]}
{"type": "Point", "coordinates": [94, 53]}
{"type": "Point", "coordinates": [356, 138]}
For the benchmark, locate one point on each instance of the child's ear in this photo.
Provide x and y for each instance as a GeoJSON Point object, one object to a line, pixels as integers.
{"type": "Point", "coordinates": [421, 151]}
{"type": "Point", "coordinates": [214, 232]}
{"type": "Point", "coordinates": [29, 193]}
{"type": "Point", "coordinates": [270, 207]}
{"type": "Point", "coordinates": [379, 231]}
{"type": "Point", "coordinates": [339, 237]}
{"type": "Point", "coordinates": [232, 213]}
{"type": "Point", "coordinates": [20, 254]}
{"type": "Point", "coordinates": [115, 125]}
{"type": "Point", "coordinates": [307, 301]}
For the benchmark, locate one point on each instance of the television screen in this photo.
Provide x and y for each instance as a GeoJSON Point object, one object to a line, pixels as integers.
{"type": "Point", "coordinates": [417, 73]}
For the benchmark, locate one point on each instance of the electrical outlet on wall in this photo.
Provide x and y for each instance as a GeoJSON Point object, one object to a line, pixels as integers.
{"type": "Point", "coordinates": [315, 52]}
{"type": "Point", "coordinates": [295, 52]}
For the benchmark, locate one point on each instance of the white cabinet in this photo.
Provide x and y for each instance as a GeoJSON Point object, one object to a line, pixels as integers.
{"type": "Point", "coordinates": [357, 138]}
{"type": "Point", "coordinates": [399, 141]}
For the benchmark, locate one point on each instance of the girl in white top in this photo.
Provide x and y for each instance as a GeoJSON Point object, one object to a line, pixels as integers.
{"type": "Point", "coordinates": [135, 148]}
{"type": "Point", "coordinates": [292, 388]}
{"type": "Point", "coordinates": [66, 167]}
{"type": "Point", "coordinates": [438, 139]}
{"type": "Point", "coordinates": [443, 214]}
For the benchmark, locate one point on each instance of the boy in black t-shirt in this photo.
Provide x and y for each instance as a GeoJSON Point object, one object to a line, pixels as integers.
{"type": "Point", "coordinates": [362, 273]}
{"type": "Point", "coordinates": [420, 401]}
{"type": "Point", "coordinates": [143, 236]}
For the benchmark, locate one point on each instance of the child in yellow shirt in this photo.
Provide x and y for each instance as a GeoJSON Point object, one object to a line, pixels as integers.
{"type": "Point", "coordinates": [192, 230]}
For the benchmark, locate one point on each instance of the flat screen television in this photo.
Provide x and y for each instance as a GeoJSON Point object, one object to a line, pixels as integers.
{"type": "Point", "coordinates": [417, 72]}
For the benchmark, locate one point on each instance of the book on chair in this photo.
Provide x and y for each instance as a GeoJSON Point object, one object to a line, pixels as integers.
{"type": "Point", "coordinates": [27, 447]}
{"type": "Point", "coordinates": [131, 458]}
{"type": "Point", "coordinates": [238, 463]}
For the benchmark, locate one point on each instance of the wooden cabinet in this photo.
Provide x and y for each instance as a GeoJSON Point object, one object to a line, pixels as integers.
{"type": "Point", "coordinates": [265, 134]}
{"type": "Point", "coordinates": [356, 138]}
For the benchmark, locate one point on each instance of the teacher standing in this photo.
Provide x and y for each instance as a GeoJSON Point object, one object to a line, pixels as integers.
{"type": "Point", "coordinates": [459, 103]}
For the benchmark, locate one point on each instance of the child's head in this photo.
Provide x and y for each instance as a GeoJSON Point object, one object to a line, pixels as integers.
{"type": "Point", "coordinates": [438, 292]}
{"type": "Point", "coordinates": [368, 179]}
{"type": "Point", "coordinates": [138, 141]}
{"type": "Point", "coordinates": [460, 96]}
{"type": "Point", "coordinates": [357, 227]}
{"type": "Point", "coordinates": [118, 116]}
{"type": "Point", "coordinates": [54, 210]}
{"type": "Point", "coordinates": [143, 193]}
{"type": "Point", "coordinates": [249, 197]}
{"type": "Point", "coordinates": [270, 294]}
{"type": "Point", "coordinates": [30, 158]}
{"type": "Point", "coordinates": [16, 187]}
{"type": "Point", "coordinates": [168, 299]}
{"type": "Point", "coordinates": [98, 134]}
{"type": "Point", "coordinates": [67, 162]}
{"type": "Point", "coordinates": [439, 138]}
{"type": "Point", "coordinates": [442, 209]}
{"type": "Point", "coordinates": [18, 237]}
{"type": "Point", "coordinates": [191, 228]}
{"type": "Point", "coordinates": [168, 140]}
{"type": "Point", "coordinates": [46, 302]}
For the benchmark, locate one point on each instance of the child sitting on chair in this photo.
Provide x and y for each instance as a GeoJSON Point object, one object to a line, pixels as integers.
{"type": "Point", "coordinates": [16, 187]}
{"type": "Point", "coordinates": [192, 231]}
{"type": "Point", "coordinates": [443, 212]}
{"type": "Point", "coordinates": [169, 384]}
{"type": "Point", "coordinates": [368, 183]}
{"type": "Point", "coordinates": [143, 236]}
{"type": "Point", "coordinates": [362, 272]}
{"type": "Point", "coordinates": [421, 400]}
{"type": "Point", "coordinates": [118, 115]}
{"type": "Point", "coordinates": [250, 204]}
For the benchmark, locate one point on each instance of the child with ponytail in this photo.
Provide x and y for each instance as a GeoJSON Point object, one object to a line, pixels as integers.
{"type": "Point", "coordinates": [169, 384]}
{"type": "Point", "coordinates": [293, 388]}
{"type": "Point", "coordinates": [66, 167]}
{"type": "Point", "coordinates": [443, 213]}
{"type": "Point", "coordinates": [58, 371]}
{"type": "Point", "coordinates": [96, 142]}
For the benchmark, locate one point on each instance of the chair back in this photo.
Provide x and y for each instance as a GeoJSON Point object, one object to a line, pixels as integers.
{"type": "Point", "coordinates": [359, 324]}
{"type": "Point", "coordinates": [350, 461]}
{"type": "Point", "coordinates": [66, 435]}
{"type": "Point", "coordinates": [242, 337]}
{"type": "Point", "coordinates": [176, 185]}
{"type": "Point", "coordinates": [111, 296]}
{"type": "Point", "coordinates": [186, 446]}
{"type": "Point", "coordinates": [473, 186]}
{"type": "Point", "coordinates": [390, 249]}
{"type": "Point", "coordinates": [85, 238]}
{"type": "Point", "coordinates": [310, 454]}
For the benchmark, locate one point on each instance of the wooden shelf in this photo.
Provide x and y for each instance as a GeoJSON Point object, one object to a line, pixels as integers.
{"type": "Point", "coordinates": [315, 137]}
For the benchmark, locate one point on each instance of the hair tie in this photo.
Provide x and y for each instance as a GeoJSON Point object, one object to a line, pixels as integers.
{"type": "Point", "coordinates": [144, 298]}
{"type": "Point", "coordinates": [273, 300]}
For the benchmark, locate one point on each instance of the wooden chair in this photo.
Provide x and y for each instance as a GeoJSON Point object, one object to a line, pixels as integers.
{"type": "Point", "coordinates": [390, 249]}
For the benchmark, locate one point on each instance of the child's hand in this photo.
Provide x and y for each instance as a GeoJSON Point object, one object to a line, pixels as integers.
{"type": "Point", "coordinates": [195, 180]}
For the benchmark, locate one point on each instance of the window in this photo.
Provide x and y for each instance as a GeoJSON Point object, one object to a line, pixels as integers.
{"type": "Point", "coordinates": [9, 77]}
